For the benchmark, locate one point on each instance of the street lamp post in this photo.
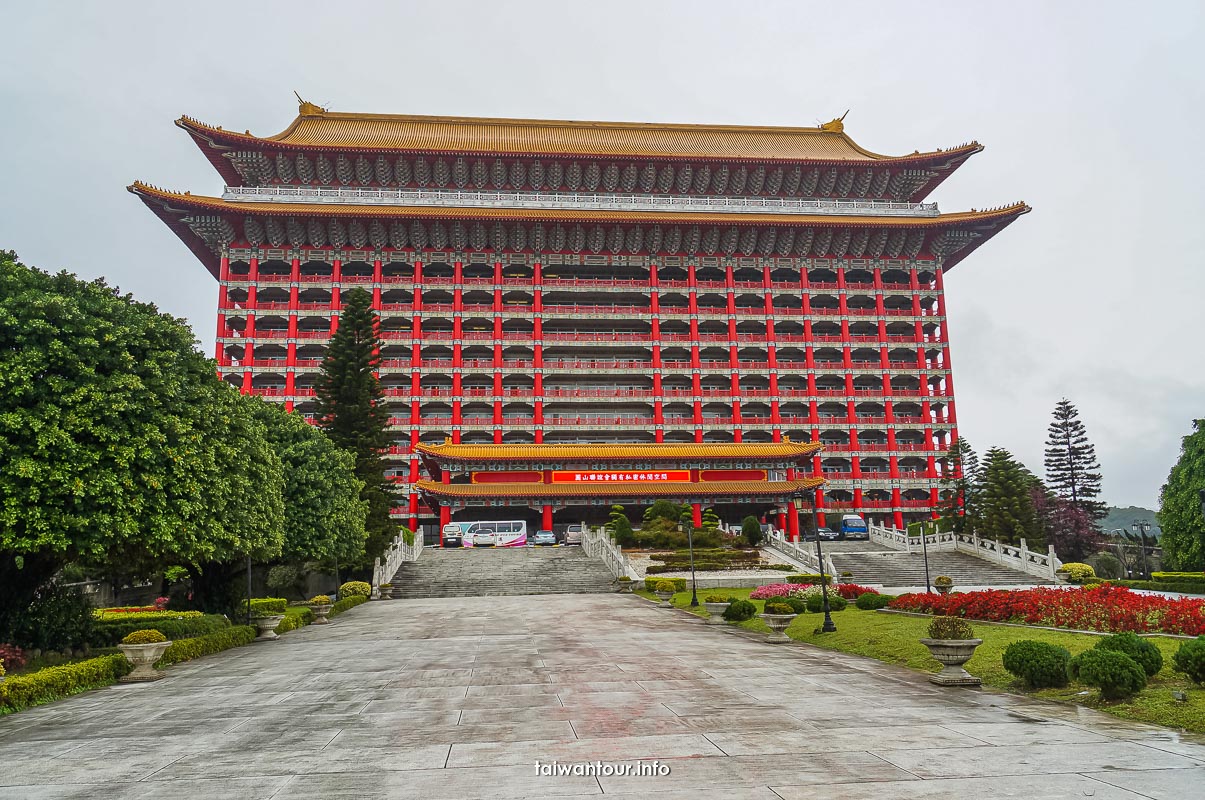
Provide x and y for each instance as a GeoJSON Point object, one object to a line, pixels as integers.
{"type": "Point", "coordinates": [828, 626]}
{"type": "Point", "coordinates": [924, 547]}
{"type": "Point", "coordinates": [1141, 529]}
{"type": "Point", "coordinates": [690, 546]}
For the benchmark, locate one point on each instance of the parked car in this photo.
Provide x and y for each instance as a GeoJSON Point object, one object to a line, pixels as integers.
{"type": "Point", "coordinates": [854, 527]}
{"type": "Point", "coordinates": [573, 534]}
{"type": "Point", "coordinates": [452, 536]}
{"type": "Point", "coordinates": [544, 537]}
{"type": "Point", "coordinates": [829, 535]}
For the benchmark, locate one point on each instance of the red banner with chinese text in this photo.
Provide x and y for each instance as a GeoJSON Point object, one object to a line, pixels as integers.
{"type": "Point", "coordinates": [621, 476]}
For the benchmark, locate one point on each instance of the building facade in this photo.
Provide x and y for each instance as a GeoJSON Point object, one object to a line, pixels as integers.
{"type": "Point", "coordinates": [549, 282]}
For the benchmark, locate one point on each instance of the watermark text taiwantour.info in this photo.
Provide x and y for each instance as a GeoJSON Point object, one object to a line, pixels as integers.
{"type": "Point", "coordinates": [601, 769]}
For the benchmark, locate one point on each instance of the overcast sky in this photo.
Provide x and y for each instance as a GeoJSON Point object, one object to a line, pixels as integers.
{"type": "Point", "coordinates": [1092, 112]}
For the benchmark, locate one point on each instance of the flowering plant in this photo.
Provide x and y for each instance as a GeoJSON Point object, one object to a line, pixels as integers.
{"type": "Point", "coordinates": [320, 600]}
{"type": "Point", "coordinates": [11, 657]}
{"type": "Point", "coordinates": [148, 636]}
{"type": "Point", "coordinates": [161, 603]}
{"type": "Point", "coordinates": [775, 590]}
{"type": "Point", "coordinates": [1112, 609]}
{"type": "Point", "coordinates": [852, 591]}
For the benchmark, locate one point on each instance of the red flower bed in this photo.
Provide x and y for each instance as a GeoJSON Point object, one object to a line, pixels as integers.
{"type": "Point", "coordinates": [852, 591]}
{"type": "Point", "coordinates": [12, 657]}
{"type": "Point", "coordinates": [130, 609]}
{"type": "Point", "coordinates": [1111, 609]}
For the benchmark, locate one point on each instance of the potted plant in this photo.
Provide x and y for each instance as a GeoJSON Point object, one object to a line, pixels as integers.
{"type": "Point", "coordinates": [320, 604]}
{"type": "Point", "coordinates": [777, 617]}
{"type": "Point", "coordinates": [943, 584]}
{"type": "Point", "coordinates": [625, 584]}
{"type": "Point", "coordinates": [142, 649]}
{"type": "Point", "coordinates": [386, 591]}
{"type": "Point", "coordinates": [715, 604]}
{"type": "Point", "coordinates": [952, 642]}
{"type": "Point", "coordinates": [664, 591]}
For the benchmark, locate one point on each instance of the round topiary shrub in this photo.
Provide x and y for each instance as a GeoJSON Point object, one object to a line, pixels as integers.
{"type": "Point", "coordinates": [1190, 659]}
{"type": "Point", "coordinates": [815, 603]}
{"type": "Point", "coordinates": [1077, 572]}
{"type": "Point", "coordinates": [951, 628]}
{"type": "Point", "coordinates": [1144, 652]}
{"type": "Point", "coordinates": [740, 610]}
{"type": "Point", "coordinates": [144, 637]}
{"type": "Point", "coordinates": [871, 601]}
{"type": "Point", "coordinates": [1116, 675]}
{"type": "Point", "coordinates": [1040, 664]}
{"type": "Point", "coordinates": [320, 600]}
{"type": "Point", "coordinates": [355, 588]}
{"type": "Point", "coordinates": [773, 607]}
{"type": "Point", "coordinates": [798, 604]}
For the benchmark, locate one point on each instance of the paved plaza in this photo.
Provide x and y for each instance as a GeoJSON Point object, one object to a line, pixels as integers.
{"type": "Point", "coordinates": [460, 698]}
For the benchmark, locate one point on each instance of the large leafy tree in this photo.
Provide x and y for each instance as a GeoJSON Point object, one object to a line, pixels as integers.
{"type": "Point", "coordinates": [351, 411]}
{"type": "Point", "coordinates": [1180, 514]}
{"type": "Point", "coordinates": [1072, 470]}
{"type": "Point", "coordinates": [959, 498]}
{"type": "Point", "coordinates": [323, 513]}
{"type": "Point", "coordinates": [1006, 509]}
{"type": "Point", "coordinates": [117, 441]}
{"type": "Point", "coordinates": [1066, 525]}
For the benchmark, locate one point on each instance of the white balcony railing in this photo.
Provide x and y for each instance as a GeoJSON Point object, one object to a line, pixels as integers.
{"type": "Point", "coordinates": [1019, 557]}
{"type": "Point", "coordinates": [580, 201]}
{"type": "Point", "coordinates": [394, 556]}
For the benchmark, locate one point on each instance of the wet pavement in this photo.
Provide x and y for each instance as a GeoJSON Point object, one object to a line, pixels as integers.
{"type": "Point", "coordinates": [460, 698]}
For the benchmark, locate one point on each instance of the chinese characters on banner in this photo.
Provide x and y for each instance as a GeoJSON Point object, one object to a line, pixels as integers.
{"type": "Point", "coordinates": [626, 476]}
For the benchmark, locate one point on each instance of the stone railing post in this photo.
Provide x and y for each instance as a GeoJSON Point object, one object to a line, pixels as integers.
{"type": "Point", "coordinates": [1054, 562]}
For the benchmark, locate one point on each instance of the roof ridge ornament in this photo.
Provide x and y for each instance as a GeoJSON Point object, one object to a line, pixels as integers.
{"type": "Point", "coordinates": [837, 125]}
{"type": "Point", "coordinates": [307, 109]}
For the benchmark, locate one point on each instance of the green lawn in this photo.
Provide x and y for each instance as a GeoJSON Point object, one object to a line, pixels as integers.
{"type": "Point", "coordinates": [895, 638]}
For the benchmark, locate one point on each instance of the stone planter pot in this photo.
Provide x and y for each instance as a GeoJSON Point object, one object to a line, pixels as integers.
{"type": "Point", "coordinates": [777, 623]}
{"type": "Point", "coordinates": [664, 597]}
{"type": "Point", "coordinates": [386, 593]}
{"type": "Point", "coordinates": [943, 588]}
{"type": "Point", "coordinates": [625, 587]}
{"type": "Point", "coordinates": [143, 658]}
{"type": "Point", "coordinates": [320, 613]}
{"type": "Point", "coordinates": [953, 653]}
{"type": "Point", "coordinates": [267, 627]}
{"type": "Point", "coordinates": [716, 610]}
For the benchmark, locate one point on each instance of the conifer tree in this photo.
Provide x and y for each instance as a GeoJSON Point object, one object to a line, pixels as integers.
{"type": "Point", "coordinates": [1181, 516]}
{"type": "Point", "coordinates": [1006, 508]}
{"type": "Point", "coordinates": [1072, 471]}
{"type": "Point", "coordinates": [959, 502]}
{"type": "Point", "coordinates": [350, 410]}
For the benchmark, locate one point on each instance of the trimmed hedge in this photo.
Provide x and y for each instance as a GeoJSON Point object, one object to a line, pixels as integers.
{"type": "Point", "coordinates": [267, 606]}
{"type": "Point", "coordinates": [348, 603]}
{"type": "Point", "coordinates": [54, 683]}
{"type": "Point", "coordinates": [1178, 577]}
{"type": "Point", "coordinates": [108, 632]}
{"type": "Point", "coordinates": [871, 601]}
{"type": "Point", "coordinates": [1143, 651]}
{"type": "Point", "coordinates": [1183, 587]}
{"type": "Point", "coordinates": [112, 615]}
{"type": "Point", "coordinates": [679, 583]}
{"type": "Point", "coordinates": [300, 617]}
{"type": "Point", "coordinates": [811, 578]}
{"type": "Point", "coordinates": [188, 649]}
{"type": "Point", "coordinates": [1116, 675]}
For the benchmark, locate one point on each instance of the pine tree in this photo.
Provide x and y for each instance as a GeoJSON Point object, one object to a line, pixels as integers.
{"type": "Point", "coordinates": [1181, 517]}
{"type": "Point", "coordinates": [350, 410]}
{"type": "Point", "coordinates": [1006, 509]}
{"type": "Point", "coordinates": [959, 503]}
{"type": "Point", "coordinates": [1072, 470]}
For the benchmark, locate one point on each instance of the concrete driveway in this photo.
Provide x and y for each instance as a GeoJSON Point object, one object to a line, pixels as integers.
{"type": "Point", "coordinates": [461, 698]}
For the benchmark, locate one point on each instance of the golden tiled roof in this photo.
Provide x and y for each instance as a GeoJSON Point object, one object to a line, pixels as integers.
{"type": "Point", "coordinates": [189, 201]}
{"type": "Point", "coordinates": [470, 491]}
{"type": "Point", "coordinates": [315, 127]}
{"type": "Point", "coordinates": [668, 451]}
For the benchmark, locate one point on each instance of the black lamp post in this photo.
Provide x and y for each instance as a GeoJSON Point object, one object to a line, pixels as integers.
{"type": "Point", "coordinates": [1141, 529]}
{"type": "Point", "coordinates": [248, 588]}
{"type": "Point", "coordinates": [924, 546]}
{"type": "Point", "coordinates": [828, 626]}
{"type": "Point", "coordinates": [690, 546]}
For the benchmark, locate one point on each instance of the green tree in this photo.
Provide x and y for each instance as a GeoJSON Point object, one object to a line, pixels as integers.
{"type": "Point", "coordinates": [118, 443]}
{"type": "Point", "coordinates": [619, 526]}
{"type": "Point", "coordinates": [664, 509]}
{"type": "Point", "coordinates": [1072, 471]}
{"type": "Point", "coordinates": [324, 514]}
{"type": "Point", "coordinates": [710, 520]}
{"type": "Point", "coordinates": [959, 497]}
{"type": "Point", "coordinates": [1180, 514]}
{"type": "Point", "coordinates": [751, 530]}
{"type": "Point", "coordinates": [1006, 508]}
{"type": "Point", "coordinates": [351, 412]}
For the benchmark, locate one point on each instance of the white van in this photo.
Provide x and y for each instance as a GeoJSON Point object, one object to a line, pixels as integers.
{"type": "Point", "coordinates": [493, 533]}
{"type": "Point", "coordinates": [573, 534]}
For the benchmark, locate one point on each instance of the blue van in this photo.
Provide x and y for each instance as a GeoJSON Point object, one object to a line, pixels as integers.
{"type": "Point", "coordinates": [854, 527]}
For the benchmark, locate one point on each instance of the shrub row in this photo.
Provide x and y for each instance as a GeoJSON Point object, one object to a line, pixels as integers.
{"type": "Point", "coordinates": [1118, 665]}
{"type": "Point", "coordinates": [108, 632]}
{"type": "Point", "coordinates": [710, 566]}
{"type": "Point", "coordinates": [811, 577]}
{"type": "Point", "coordinates": [110, 614]}
{"type": "Point", "coordinates": [54, 683]}
{"type": "Point", "coordinates": [1178, 577]}
{"type": "Point", "coordinates": [1182, 586]}
{"type": "Point", "coordinates": [188, 649]}
{"type": "Point", "coordinates": [268, 605]}
{"type": "Point", "coordinates": [298, 619]}
{"type": "Point", "coordinates": [348, 603]}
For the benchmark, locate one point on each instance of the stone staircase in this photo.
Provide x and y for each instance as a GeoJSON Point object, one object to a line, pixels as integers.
{"type": "Point", "coordinates": [895, 568]}
{"type": "Point", "coordinates": [490, 572]}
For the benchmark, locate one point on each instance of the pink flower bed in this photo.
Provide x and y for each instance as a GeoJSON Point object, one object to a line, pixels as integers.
{"type": "Point", "coordinates": [1112, 609]}
{"type": "Point", "coordinates": [850, 591]}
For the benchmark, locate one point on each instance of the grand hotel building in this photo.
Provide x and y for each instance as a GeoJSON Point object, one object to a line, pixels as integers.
{"type": "Point", "coordinates": [564, 282]}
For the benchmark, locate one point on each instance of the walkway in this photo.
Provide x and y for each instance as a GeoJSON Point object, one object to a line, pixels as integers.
{"type": "Point", "coordinates": [459, 698]}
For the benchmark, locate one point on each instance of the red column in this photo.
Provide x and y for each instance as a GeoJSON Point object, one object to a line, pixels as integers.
{"type": "Point", "coordinates": [897, 515]}
{"type": "Point", "coordinates": [547, 517]}
{"type": "Point", "coordinates": [792, 521]}
{"type": "Point", "coordinates": [537, 347]}
{"type": "Point", "coordinates": [696, 514]}
{"type": "Point", "coordinates": [336, 277]}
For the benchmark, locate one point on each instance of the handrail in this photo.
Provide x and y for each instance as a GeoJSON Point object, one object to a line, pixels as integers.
{"type": "Point", "coordinates": [597, 543]}
{"type": "Point", "coordinates": [597, 201]}
{"type": "Point", "coordinates": [1018, 557]}
{"type": "Point", "coordinates": [397, 553]}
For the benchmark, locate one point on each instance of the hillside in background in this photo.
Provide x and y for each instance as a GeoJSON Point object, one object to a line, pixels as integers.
{"type": "Point", "coordinates": [1122, 518]}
